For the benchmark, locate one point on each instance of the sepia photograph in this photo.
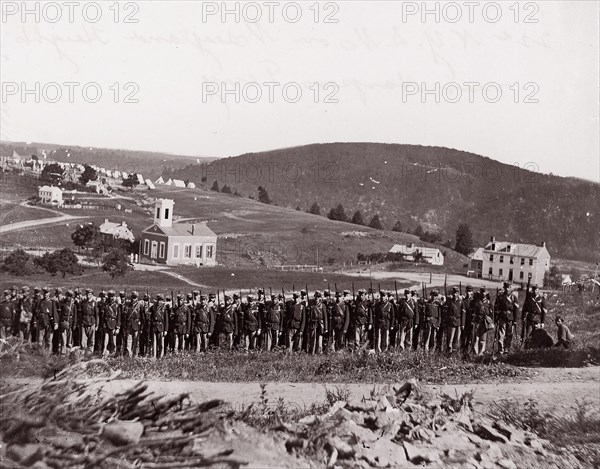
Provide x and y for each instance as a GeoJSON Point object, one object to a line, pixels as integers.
{"type": "Point", "coordinates": [300, 234]}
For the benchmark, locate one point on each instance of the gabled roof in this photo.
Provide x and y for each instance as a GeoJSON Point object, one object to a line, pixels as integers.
{"type": "Point", "coordinates": [477, 255]}
{"type": "Point", "coordinates": [519, 249]}
{"type": "Point", "coordinates": [411, 249]}
{"type": "Point", "coordinates": [182, 229]}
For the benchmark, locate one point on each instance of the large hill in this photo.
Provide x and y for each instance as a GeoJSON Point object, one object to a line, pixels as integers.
{"type": "Point", "coordinates": [435, 187]}
{"type": "Point", "coordinates": [150, 164]}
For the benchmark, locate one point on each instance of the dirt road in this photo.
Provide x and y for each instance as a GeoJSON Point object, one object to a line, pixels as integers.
{"type": "Point", "coordinates": [24, 225]}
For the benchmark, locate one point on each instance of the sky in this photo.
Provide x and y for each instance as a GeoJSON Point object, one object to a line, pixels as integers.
{"type": "Point", "coordinates": [516, 82]}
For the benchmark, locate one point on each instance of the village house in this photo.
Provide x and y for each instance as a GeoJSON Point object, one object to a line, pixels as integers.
{"type": "Point", "coordinates": [165, 242]}
{"type": "Point", "coordinates": [50, 195]}
{"type": "Point", "coordinates": [116, 230]}
{"type": "Point", "coordinates": [511, 262]}
{"type": "Point", "coordinates": [431, 255]}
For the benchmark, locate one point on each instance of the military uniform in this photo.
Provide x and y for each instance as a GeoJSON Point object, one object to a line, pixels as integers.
{"type": "Point", "coordinates": [145, 327]}
{"type": "Point", "coordinates": [340, 321]}
{"type": "Point", "coordinates": [46, 319]}
{"type": "Point", "coordinates": [88, 316]}
{"type": "Point", "coordinates": [7, 316]}
{"type": "Point", "coordinates": [159, 317]}
{"type": "Point", "coordinates": [432, 314]}
{"type": "Point", "coordinates": [317, 324]}
{"type": "Point", "coordinates": [182, 323]}
{"type": "Point", "coordinates": [67, 315]}
{"type": "Point", "coordinates": [228, 322]}
{"type": "Point", "coordinates": [132, 322]}
{"type": "Point", "coordinates": [273, 322]}
{"type": "Point", "coordinates": [111, 323]}
{"type": "Point", "coordinates": [507, 310]}
{"type": "Point", "coordinates": [406, 316]}
{"type": "Point", "coordinates": [362, 319]}
{"type": "Point", "coordinates": [482, 322]}
{"type": "Point", "coordinates": [203, 323]}
{"type": "Point", "coordinates": [384, 321]}
{"type": "Point", "coordinates": [534, 311]}
{"type": "Point", "coordinates": [25, 312]}
{"type": "Point", "coordinates": [296, 324]}
{"type": "Point", "coordinates": [455, 320]}
{"type": "Point", "coordinates": [252, 324]}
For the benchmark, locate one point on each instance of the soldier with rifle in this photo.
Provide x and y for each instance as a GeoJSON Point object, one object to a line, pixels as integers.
{"type": "Point", "coordinates": [145, 327]}
{"type": "Point", "coordinates": [467, 334]}
{"type": "Point", "coordinates": [362, 318]}
{"type": "Point", "coordinates": [534, 311]}
{"type": "Point", "coordinates": [227, 323]}
{"type": "Point", "coordinates": [252, 323]}
{"type": "Point", "coordinates": [37, 296]}
{"type": "Point", "coordinates": [456, 320]}
{"type": "Point", "coordinates": [296, 323]}
{"type": "Point", "coordinates": [483, 321]}
{"type": "Point", "coordinates": [317, 324]}
{"type": "Point", "coordinates": [46, 319]}
{"type": "Point", "coordinates": [67, 318]}
{"type": "Point", "coordinates": [159, 317]}
{"type": "Point", "coordinates": [25, 311]}
{"type": "Point", "coordinates": [406, 314]}
{"type": "Point", "coordinates": [203, 323]}
{"type": "Point", "coordinates": [111, 323]}
{"type": "Point", "coordinates": [88, 316]}
{"type": "Point", "coordinates": [273, 321]}
{"type": "Point", "coordinates": [507, 311]}
{"type": "Point", "coordinates": [384, 321]}
{"type": "Point", "coordinates": [340, 321]}
{"type": "Point", "coordinates": [431, 321]}
{"type": "Point", "coordinates": [182, 320]}
{"type": "Point", "coordinates": [7, 316]}
{"type": "Point", "coordinates": [132, 320]}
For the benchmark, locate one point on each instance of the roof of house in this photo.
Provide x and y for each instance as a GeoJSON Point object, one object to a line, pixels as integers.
{"type": "Point", "coordinates": [477, 255]}
{"type": "Point", "coordinates": [411, 249]}
{"type": "Point", "coordinates": [118, 230]}
{"type": "Point", "coordinates": [520, 249]}
{"type": "Point", "coordinates": [184, 229]}
{"type": "Point", "coordinates": [50, 188]}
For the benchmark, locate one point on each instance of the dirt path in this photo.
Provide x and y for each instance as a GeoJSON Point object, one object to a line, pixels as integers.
{"type": "Point", "coordinates": [437, 280]}
{"type": "Point", "coordinates": [24, 225]}
{"type": "Point", "coordinates": [574, 384]}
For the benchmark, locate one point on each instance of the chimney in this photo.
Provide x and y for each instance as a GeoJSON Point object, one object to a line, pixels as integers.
{"type": "Point", "coordinates": [193, 226]}
{"type": "Point", "coordinates": [543, 244]}
{"type": "Point", "coordinates": [492, 239]}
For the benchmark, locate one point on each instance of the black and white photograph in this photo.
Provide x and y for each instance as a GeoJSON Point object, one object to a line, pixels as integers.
{"type": "Point", "coordinates": [300, 234]}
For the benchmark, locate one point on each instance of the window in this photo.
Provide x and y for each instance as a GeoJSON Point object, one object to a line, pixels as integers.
{"type": "Point", "coordinates": [491, 258]}
{"type": "Point", "coordinates": [153, 249]}
{"type": "Point", "coordinates": [158, 212]}
{"type": "Point", "coordinates": [175, 251]}
{"type": "Point", "coordinates": [198, 251]}
{"type": "Point", "coordinates": [161, 250]}
{"type": "Point", "coordinates": [187, 251]}
{"type": "Point", "coordinates": [500, 272]}
{"type": "Point", "coordinates": [166, 213]}
{"type": "Point", "coordinates": [511, 260]}
{"type": "Point", "coordinates": [530, 261]}
{"type": "Point", "coordinates": [522, 261]}
{"type": "Point", "coordinates": [490, 272]}
{"type": "Point", "coordinates": [501, 259]}
{"type": "Point", "coordinates": [209, 251]}
{"type": "Point", "coordinates": [146, 247]}
{"type": "Point", "coordinates": [521, 275]}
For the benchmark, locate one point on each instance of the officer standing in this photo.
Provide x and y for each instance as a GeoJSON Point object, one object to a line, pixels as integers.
{"type": "Point", "coordinates": [67, 320]}
{"type": "Point", "coordinates": [431, 321]}
{"type": "Point", "coordinates": [131, 319]}
{"type": "Point", "coordinates": [362, 319]}
{"type": "Point", "coordinates": [534, 311]}
{"type": "Point", "coordinates": [182, 323]}
{"type": "Point", "coordinates": [456, 320]}
{"type": "Point", "coordinates": [384, 321]}
{"type": "Point", "coordinates": [406, 314]}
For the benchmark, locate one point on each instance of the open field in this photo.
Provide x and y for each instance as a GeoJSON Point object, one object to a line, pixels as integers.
{"type": "Point", "coordinates": [15, 213]}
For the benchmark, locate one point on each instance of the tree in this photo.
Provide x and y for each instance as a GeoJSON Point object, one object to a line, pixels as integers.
{"type": "Point", "coordinates": [263, 196]}
{"type": "Point", "coordinates": [298, 209]}
{"type": "Point", "coordinates": [226, 189]}
{"type": "Point", "coordinates": [19, 263]}
{"type": "Point", "coordinates": [397, 227]}
{"type": "Point", "coordinates": [52, 173]}
{"type": "Point", "coordinates": [116, 263]}
{"type": "Point", "coordinates": [357, 218]}
{"type": "Point", "coordinates": [131, 181]}
{"type": "Point", "coordinates": [337, 213]}
{"type": "Point", "coordinates": [35, 158]}
{"type": "Point", "coordinates": [418, 231]}
{"type": "Point", "coordinates": [64, 261]}
{"type": "Point", "coordinates": [375, 222]}
{"type": "Point", "coordinates": [464, 239]}
{"type": "Point", "coordinates": [89, 174]}
{"type": "Point", "coordinates": [85, 235]}
{"type": "Point", "coordinates": [315, 209]}
{"type": "Point", "coordinates": [215, 187]}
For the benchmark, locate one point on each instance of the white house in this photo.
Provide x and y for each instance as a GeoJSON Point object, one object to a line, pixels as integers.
{"type": "Point", "coordinates": [431, 255]}
{"type": "Point", "coordinates": [116, 230]}
{"type": "Point", "coordinates": [512, 262]}
{"type": "Point", "coordinates": [98, 187]}
{"type": "Point", "coordinates": [50, 195]}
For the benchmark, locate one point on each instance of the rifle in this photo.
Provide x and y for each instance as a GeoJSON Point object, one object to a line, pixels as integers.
{"type": "Point", "coordinates": [460, 288]}
{"type": "Point", "coordinates": [446, 287]}
{"type": "Point", "coordinates": [494, 316]}
{"type": "Point", "coordinates": [396, 288]}
{"type": "Point", "coordinates": [353, 295]}
{"type": "Point", "coordinates": [523, 312]}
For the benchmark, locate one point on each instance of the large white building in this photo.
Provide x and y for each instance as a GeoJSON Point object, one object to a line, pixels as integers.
{"type": "Point", "coordinates": [50, 195]}
{"type": "Point", "coordinates": [511, 262]}
{"type": "Point", "coordinates": [431, 255]}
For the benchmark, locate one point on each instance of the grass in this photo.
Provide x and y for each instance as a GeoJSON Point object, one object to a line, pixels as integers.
{"type": "Point", "coordinates": [577, 432]}
{"type": "Point", "coordinates": [15, 213]}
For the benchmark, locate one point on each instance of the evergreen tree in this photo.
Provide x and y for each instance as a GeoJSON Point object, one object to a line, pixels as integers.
{"type": "Point", "coordinates": [375, 223]}
{"type": "Point", "coordinates": [226, 189]}
{"type": "Point", "coordinates": [464, 239]}
{"type": "Point", "coordinates": [215, 187]}
{"type": "Point", "coordinates": [315, 209]}
{"type": "Point", "coordinates": [397, 227]}
{"type": "Point", "coordinates": [357, 218]}
{"type": "Point", "coordinates": [338, 213]}
{"type": "Point", "coordinates": [89, 174]}
{"type": "Point", "coordinates": [116, 263]}
{"type": "Point", "coordinates": [263, 196]}
{"type": "Point", "coordinates": [419, 231]}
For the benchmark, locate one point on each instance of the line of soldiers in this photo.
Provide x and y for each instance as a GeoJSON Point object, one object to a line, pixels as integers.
{"type": "Point", "coordinates": [134, 324]}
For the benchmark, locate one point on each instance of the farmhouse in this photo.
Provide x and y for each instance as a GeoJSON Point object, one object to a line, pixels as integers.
{"type": "Point", "coordinates": [512, 262]}
{"type": "Point", "coordinates": [116, 230]}
{"type": "Point", "coordinates": [165, 242]}
{"type": "Point", "coordinates": [50, 195]}
{"type": "Point", "coordinates": [431, 255]}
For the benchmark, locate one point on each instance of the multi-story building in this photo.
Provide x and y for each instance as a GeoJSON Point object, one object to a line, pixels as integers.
{"type": "Point", "coordinates": [511, 262]}
{"type": "Point", "coordinates": [50, 195]}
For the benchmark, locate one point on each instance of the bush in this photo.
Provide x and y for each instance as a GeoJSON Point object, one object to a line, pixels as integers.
{"type": "Point", "coordinates": [19, 263]}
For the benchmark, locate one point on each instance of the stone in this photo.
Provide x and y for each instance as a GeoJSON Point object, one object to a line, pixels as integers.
{"type": "Point", "coordinates": [64, 441]}
{"type": "Point", "coordinates": [494, 452]}
{"type": "Point", "coordinates": [40, 465]}
{"type": "Point", "coordinates": [506, 464]}
{"type": "Point", "coordinates": [292, 443]}
{"type": "Point", "coordinates": [383, 453]}
{"type": "Point", "coordinates": [344, 449]}
{"type": "Point", "coordinates": [361, 405]}
{"type": "Point", "coordinates": [122, 432]}
{"type": "Point", "coordinates": [335, 407]}
{"type": "Point", "coordinates": [487, 432]}
{"type": "Point", "coordinates": [308, 420]}
{"type": "Point", "coordinates": [464, 420]}
{"type": "Point", "coordinates": [420, 454]}
{"type": "Point", "coordinates": [353, 433]}
{"type": "Point", "coordinates": [26, 455]}
{"type": "Point", "coordinates": [341, 415]}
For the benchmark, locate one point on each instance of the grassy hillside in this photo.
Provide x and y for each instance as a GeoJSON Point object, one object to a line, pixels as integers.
{"type": "Point", "coordinates": [149, 164]}
{"type": "Point", "coordinates": [432, 186]}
